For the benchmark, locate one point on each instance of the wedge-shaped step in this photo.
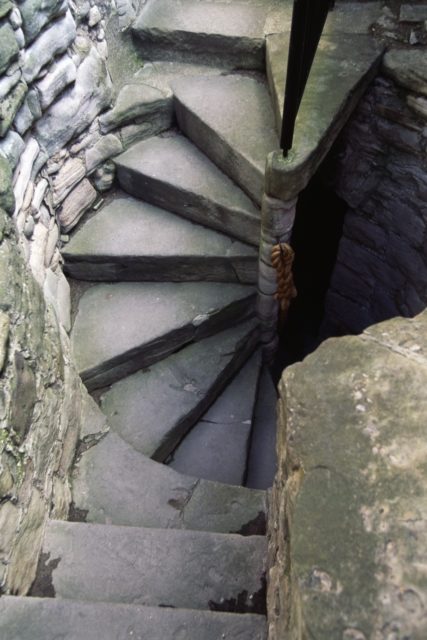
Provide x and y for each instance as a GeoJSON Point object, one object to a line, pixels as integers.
{"type": "Point", "coordinates": [172, 173]}
{"type": "Point", "coordinates": [123, 327]}
{"type": "Point", "coordinates": [132, 240]}
{"type": "Point", "coordinates": [153, 409]}
{"type": "Point", "coordinates": [153, 567]}
{"type": "Point", "coordinates": [215, 33]}
{"type": "Point", "coordinates": [217, 447]}
{"type": "Point", "coordinates": [51, 619]}
{"type": "Point", "coordinates": [231, 119]}
{"type": "Point", "coordinates": [115, 484]}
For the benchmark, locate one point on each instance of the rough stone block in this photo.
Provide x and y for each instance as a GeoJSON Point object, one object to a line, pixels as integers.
{"type": "Point", "coordinates": [5, 7]}
{"type": "Point", "coordinates": [61, 74]}
{"type": "Point", "coordinates": [75, 205]}
{"type": "Point", "coordinates": [8, 82]}
{"type": "Point", "coordinates": [9, 48]}
{"type": "Point", "coordinates": [135, 101]}
{"type": "Point", "coordinates": [36, 14]}
{"type": "Point", "coordinates": [106, 148]}
{"type": "Point", "coordinates": [407, 67]}
{"type": "Point", "coordinates": [11, 147]}
{"type": "Point", "coordinates": [71, 172]}
{"type": "Point", "coordinates": [7, 199]}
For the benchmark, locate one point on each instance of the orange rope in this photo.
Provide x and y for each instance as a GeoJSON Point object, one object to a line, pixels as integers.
{"type": "Point", "coordinates": [282, 257]}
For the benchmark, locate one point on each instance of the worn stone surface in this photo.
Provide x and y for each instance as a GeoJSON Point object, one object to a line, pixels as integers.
{"type": "Point", "coordinates": [77, 107]}
{"type": "Point", "coordinates": [347, 539]}
{"type": "Point", "coordinates": [7, 199]}
{"type": "Point", "coordinates": [71, 172]}
{"type": "Point", "coordinates": [8, 82]}
{"type": "Point", "coordinates": [413, 13]}
{"type": "Point", "coordinates": [195, 189]}
{"type": "Point", "coordinates": [61, 74]}
{"type": "Point", "coordinates": [11, 148]}
{"type": "Point", "coordinates": [54, 40]}
{"type": "Point", "coordinates": [38, 13]}
{"type": "Point", "coordinates": [48, 618]}
{"type": "Point", "coordinates": [209, 112]}
{"type": "Point", "coordinates": [9, 48]}
{"type": "Point", "coordinates": [10, 105]}
{"type": "Point", "coordinates": [75, 205]}
{"type": "Point", "coordinates": [198, 569]}
{"type": "Point", "coordinates": [153, 409]}
{"type": "Point", "coordinates": [107, 147]}
{"type": "Point", "coordinates": [136, 101]}
{"type": "Point", "coordinates": [5, 7]}
{"type": "Point", "coordinates": [408, 68]}
{"type": "Point", "coordinates": [173, 314]}
{"type": "Point", "coordinates": [131, 240]}
{"type": "Point", "coordinates": [217, 446]}
{"type": "Point", "coordinates": [227, 34]}
{"type": "Point", "coordinates": [115, 484]}
{"type": "Point", "coordinates": [343, 67]}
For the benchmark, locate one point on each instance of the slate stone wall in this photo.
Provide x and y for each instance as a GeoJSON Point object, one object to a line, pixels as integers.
{"type": "Point", "coordinates": [381, 268]}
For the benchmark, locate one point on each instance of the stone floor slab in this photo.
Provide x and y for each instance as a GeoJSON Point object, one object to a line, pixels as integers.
{"type": "Point", "coordinates": [153, 409]}
{"type": "Point", "coordinates": [123, 327]}
{"type": "Point", "coordinates": [217, 447]}
{"type": "Point", "coordinates": [230, 118]}
{"type": "Point", "coordinates": [50, 619]}
{"type": "Point", "coordinates": [152, 567]}
{"type": "Point", "coordinates": [115, 484]}
{"type": "Point", "coordinates": [170, 172]}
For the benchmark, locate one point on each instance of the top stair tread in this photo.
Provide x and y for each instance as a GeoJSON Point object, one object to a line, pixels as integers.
{"type": "Point", "coordinates": [231, 119]}
{"type": "Point", "coordinates": [53, 618]}
{"type": "Point", "coordinates": [170, 172]}
{"type": "Point", "coordinates": [153, 567]}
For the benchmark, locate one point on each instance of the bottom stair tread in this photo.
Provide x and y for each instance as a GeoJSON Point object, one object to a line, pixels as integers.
{"type": "Point", "coordinates": [153, 567]}
{"type": "Point", "coordinates": [50, 619]}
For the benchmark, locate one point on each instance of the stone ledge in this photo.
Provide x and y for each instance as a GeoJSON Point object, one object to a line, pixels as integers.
{"type": "Point", "coordinates": [350, 499]}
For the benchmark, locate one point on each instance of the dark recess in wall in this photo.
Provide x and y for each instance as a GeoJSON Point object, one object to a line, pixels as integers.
{"type": "Point", "coordinates": [315, 239]}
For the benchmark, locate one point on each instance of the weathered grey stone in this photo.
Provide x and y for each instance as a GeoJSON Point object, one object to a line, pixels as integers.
{"type": "Point", "coordinates": [217, 446]}
{"type": "Point", "coordinates": [350, 18]}
{"type": "Point", "coordinates": [78, 106]}
{"type": "Point", "coordinates": [7, 199]}
{"type": "Point", "coordinates": [9, 48]}
{"type": "Point", "coordinates": [71, 172]}
{"type": "Point", "coordinates": [15, 18]}
{"type": "Point", "coordinates": [151, 126]}
{"type": "Point", "coordinates": [38, 13]}
{"type": "Point", "coordinates": [199, 569]}
{"type": "Point", "coordinates": [20, 38]}
{"type": "Point", "coordinates": [152, 410]}
{"type": "Point", "coordinates": [349, 499]}
{"type": "Point", "coordinates": [54, 40]}
{"type": "Point", "coordinates": [4, 339]}
{"type": "Point", "coordinates": [195, 188]}
{"type": "Point", "coordinates": [103, 177]}
{"type": "Point", "coordinates": [136, 101]}
{"type": "Point", "coordinates": [407, 67]}
{"type": "Point", "coordinates": [413, 13]}
{"type": "Point", "coordinates": [418, 104]}
{"type": "Point", "coordinates": [38, 252]}
{"type": "Point", "coordinates": [94, 16]}
{"type": "Point", "coordinates": [48, 618]}
{"type": "Point", "coordinates": [24, 119]}
{"type": "Point", "coordinates": [107, 147]}
{"type": "Point", "coordinates": [57, 292]}
{"type": "Point", "coordinates": [11, 147]}
{"type": "Point", "coordinates": [5, 7]}
{"type": "Point", "coordinates": [117, 485]}
{"type": "Point", "coordinates": [60, 75]}
{"type": "Point", "coordinates": [217, 34]}
{"type": "Point", "coordinates": [174, 314]}
{"type": "Point", "coordinates": [131, 240]}
{"type": "Point", "coordinates": [51, 244]}
{"type": "Point", "coordinates": [316, 129]}
{"type": "Point", "coordinates": [75, 205]}
{"type": "Point", "coordinates": [10, 105]}
{"type": "Point", "coordinates": [209, 112]}
{"type": "Point", "coordinates": [8, 82]}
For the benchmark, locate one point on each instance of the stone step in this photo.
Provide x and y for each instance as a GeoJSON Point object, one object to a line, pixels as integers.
{"type": "Point", "coordinates": [53, 618]}
{"type": "Point", "coordinates": [217, 447]}
{"type": "Point", "coordinates": [121, 328]}
{"type": "Point", "coordinates": [170, 172]}
{"type": "Point", "coordinates": [153, 409]}
{"type": "Point", "coordinates": [129, 240]}
{"type": "Point", "coordinates": [211, 33]}
{"type": "Point", "coordinates": [152, 567]}
{"type": "Point", "coordinates": [115, 484]}
{"type": "Point", "coordinates": [231, 119]}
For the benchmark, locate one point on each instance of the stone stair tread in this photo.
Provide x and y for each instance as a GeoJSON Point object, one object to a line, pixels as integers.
{"type": "Point", "coordinates": [217, 447]}
{"type": "Point", "coordinates": [115, 484]}
{"type": "Point", "coordinates": [154, 408]}
{"type": "Point", "coordinates": [132, 240]}
{"type": "Point", "coordinates": [333, 82]}
{"type": "Point", "coordinates": [152, 567]}
{"type": "Point", "coordinates": [231, 119]}
{"type": "Point", "coordinates": [212, 32]}
{"type": "Point", "coordinates": [53, 618]}
{"type": "Point", "coordinates": [171, 172]}
{"type": "Point", "coordinates": [262, 456]}
{"type": "Point", "coordinates": [123, 327]}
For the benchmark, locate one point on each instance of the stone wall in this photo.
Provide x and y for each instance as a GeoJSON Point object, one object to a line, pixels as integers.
{"type": "Point", "coordinates": [347, 534]}
{"type": "Point", "coordinates": [381, 174]}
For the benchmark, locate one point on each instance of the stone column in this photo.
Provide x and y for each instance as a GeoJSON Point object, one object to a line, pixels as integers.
{"type": "Point", "coordinates": [277, 219]}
